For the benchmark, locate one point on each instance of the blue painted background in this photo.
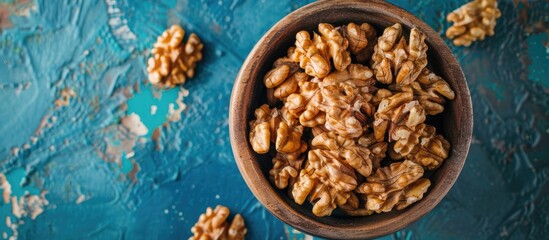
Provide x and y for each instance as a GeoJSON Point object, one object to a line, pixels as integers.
{"type": "Point", "coordinates": [99, 50]}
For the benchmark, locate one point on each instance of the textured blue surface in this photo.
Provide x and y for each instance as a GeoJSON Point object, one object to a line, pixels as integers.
{"type": "Point", "coordinates": [99, 49]}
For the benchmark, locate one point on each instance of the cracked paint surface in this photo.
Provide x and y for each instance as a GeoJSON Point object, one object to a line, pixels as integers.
{"type": "Point", "coordinates": [72, 70]}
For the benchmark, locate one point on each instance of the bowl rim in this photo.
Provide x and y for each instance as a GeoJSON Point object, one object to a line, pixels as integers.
{"type": "Point", "coordinates": [261, 186]}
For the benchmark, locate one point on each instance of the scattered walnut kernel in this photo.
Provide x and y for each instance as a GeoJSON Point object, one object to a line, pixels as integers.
{"type": "Point", "coordinates": [213, 225]}
{"type": "Point", "coordinates": [355, 119]}
{"type": "Point", "coordinates": [473, 21]}
{"type": "Point", "coordinates": [173, 61]}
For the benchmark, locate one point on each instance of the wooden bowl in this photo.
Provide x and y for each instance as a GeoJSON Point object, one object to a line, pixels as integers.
{"type": "Point", "coordinates": [456, 122]}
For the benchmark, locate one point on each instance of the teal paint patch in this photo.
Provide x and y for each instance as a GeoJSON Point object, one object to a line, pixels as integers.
{"type": "Point", "coordinates": [498, 92]}
{"type": "Point", "coordinates": [538, 53]}
{"type": "Point", "coordinates": [20, 186]}
{"type": "Point", "coordinates": [159, 100]}
{"type": "Point", "coordinates": [126, 165]}
{"type": "Point", "coordinates": [19, 183]}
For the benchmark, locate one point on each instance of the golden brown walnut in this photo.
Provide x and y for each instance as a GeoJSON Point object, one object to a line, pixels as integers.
{"type": "Point", "coordinates": [286, 167]}
{"type": "Point", "coordinates": [309, 57]}
{"type": "Point", "coordinates": [212, 225]}
{"type": "Point", "coordinates": [284, 77]}
{"type": "Point", "coordinates": [413, 193]}
{"type": "Point", "coordinates": [432, 149]}
{"type": "Point", "coordinates": [406, 126]}
{"type": "Point", "coordinates": [304, 105]}
{"type": "Point", "coordinates": [404, 138]}
{"type": "Point", "coordinates": [388, 53]}
{"type": "Point", "coordinates": [304, 184]}
{"type": "Point", "coordinates": [331, 170]}
{"type": "Point", "coordinates": [377, 149]}
{"type": "Point", "coordinates": [356, 37]}
{"type": "Point", "coordinates": [430, 90]}
{"type": "Point", "coordinates": [362, 39]}
{"type": "Point", "coordinates": [346, 99]}
{"type": "Point", "coordinates": [399, 199]}
{"type": "Point", "coordinates": [398, 113]}
{"type": "Point", "coordinates": [237, 229]}
{"type": "Point", "coordinates": [337, 46]}
{"type": "Point", "coordinates": [327, 179]}
{"type": "Point", "coordinates": [172, 62]}
{"type": "Point", "coordinates": [345, 150]}
{"type": "Point", "coordinates": [344, 122]}
{"type": "Point", "coordinates": [383, 189]}
{"type": "Point", "coordinates": [416, 61]}
{"type": "Point", "coordinates": [380, 95]}
{"type": "Point", "coordinates": [262, 127]}
{"type": "Point", "coordinates": [314, 54]}
{"type": "Point", "coordinates": [356, 75]}
{"type": "Point", "coordinates": [318, 187]}
{"type": "Point", "coordinates": [325, 199]}
{"type": "Point", "coordinates": [394, 58]}
{"type": "Point", "coordinates": [275, 126]}
{"type": "Point", "coordinates": [473, 21]}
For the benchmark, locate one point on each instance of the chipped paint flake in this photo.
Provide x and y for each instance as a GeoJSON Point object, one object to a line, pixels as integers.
{"type": "Point", "coordinates": [174, 115]}
{"type": "Point", "coordinates": [133, 123]}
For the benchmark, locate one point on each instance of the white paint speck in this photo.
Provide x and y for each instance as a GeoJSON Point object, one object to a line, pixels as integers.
{"type": "Point", "coordinates": [15, 151]}
{"type": "Point", "coordinates": [52, 148]}
{"type": "Point", "coordinates": [81, 198]}
{"type": "Point", "coordinates": [133, 123]}
{"type": "Point", "coordinates": [180, 214]}
{"type": "Point", "coordinates": [166, 211]}
{"type": "Point", "coordinates": [217, 196]}
{"type": "Point", "coordinates": [153, 109]}
{"type": "Point", "coordinates": [130, 154]}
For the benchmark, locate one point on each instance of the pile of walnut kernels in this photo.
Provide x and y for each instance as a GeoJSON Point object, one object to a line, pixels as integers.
{"type": "Point", "coordinates": [473, 22]}
{"type": "Point", "coordinates": [172, 60]}
{"type": "Point", "coordinates": [341, 101]}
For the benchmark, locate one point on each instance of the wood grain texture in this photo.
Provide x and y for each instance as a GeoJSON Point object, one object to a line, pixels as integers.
{"type": "Point", "coordinates": [249, 92]}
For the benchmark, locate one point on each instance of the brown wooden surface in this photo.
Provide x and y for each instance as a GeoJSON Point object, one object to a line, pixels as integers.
{"type": "Point", "coordinates": [249, 93]}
